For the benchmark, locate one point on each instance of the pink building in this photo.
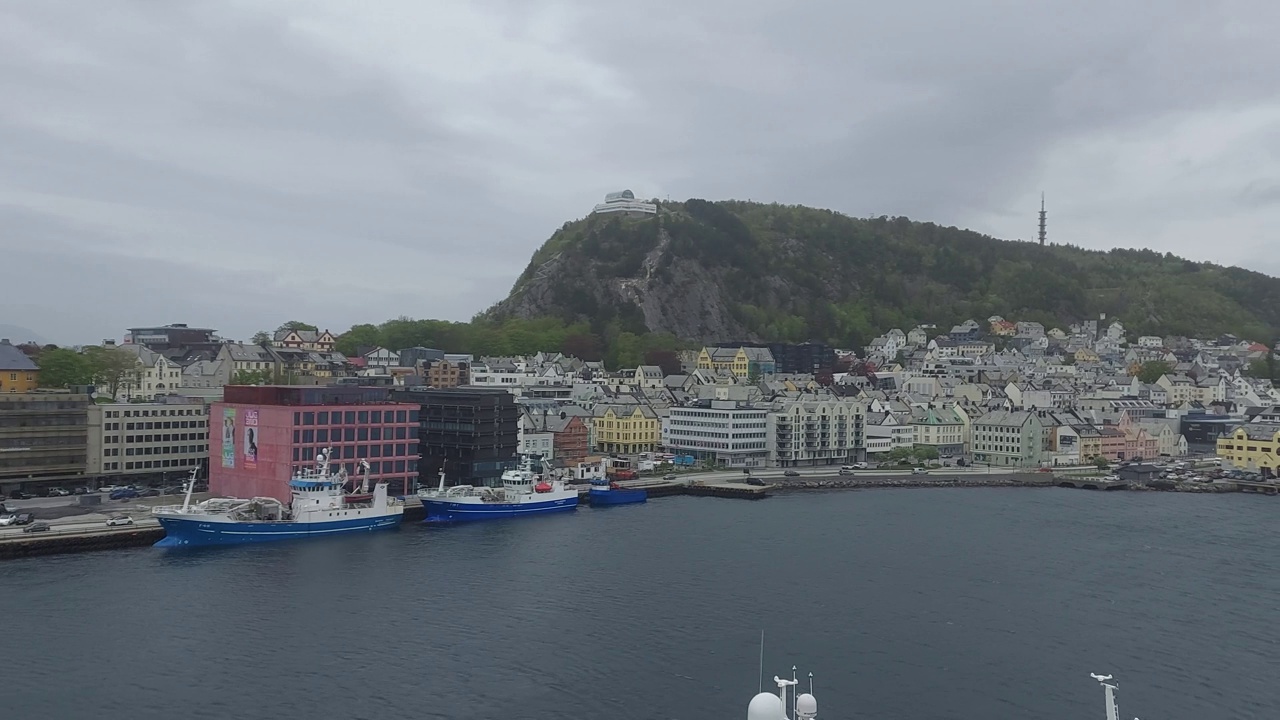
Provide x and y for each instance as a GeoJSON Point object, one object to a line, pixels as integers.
{"type": "Point", "coordinates": [1114, 443]}
{"type": "Point", "coordinates": [259, 435]}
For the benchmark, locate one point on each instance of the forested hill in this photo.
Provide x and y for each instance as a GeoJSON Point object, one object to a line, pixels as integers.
{"type": "Point", "coordinates": [715, 271]}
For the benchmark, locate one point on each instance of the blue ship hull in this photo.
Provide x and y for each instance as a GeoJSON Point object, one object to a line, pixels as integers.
{"type": "Point", "coordinates": [624, 496]}
{"type": "Point", "coordinates": [181, 532]}
{"type": "Point", "coordinates": [439, 511]}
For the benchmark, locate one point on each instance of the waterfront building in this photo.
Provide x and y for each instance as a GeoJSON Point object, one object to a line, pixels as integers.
{"type": "Point", "coordinates": [941, 428]}
{"type": "Point", "coordinates": [626, 429]}
{"type": "Point", "coordinates": [1253, 447]}
{"type": "Point", "coordinates": [624, 203]}
{"type": "Point", "coordinates": [261, 435]}
{"type": "Point", "coordinates": [43, 440]}
{"type": "Point", "coordinates": [1011, 439]}
{"type": "Point", "coordinates": [725, 432]}
{"type": "Point", "coordinates": [18, 373]}
{"type": "Point", "coordinates": [147, 440]}
{"type": "Point", "coordinates": [473, 433]}
{"type": "Point", "coordinates": [816, 431]}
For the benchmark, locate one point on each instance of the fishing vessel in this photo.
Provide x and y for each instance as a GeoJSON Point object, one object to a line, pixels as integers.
{"type": "Point", "coordinates": [767, 706]}
{"type": "Point", "coordinates": [319, 506]}
{"type": "Point", "coordinates": [523, 492]}
{"type": "Point", "coordinates": [607, 492]}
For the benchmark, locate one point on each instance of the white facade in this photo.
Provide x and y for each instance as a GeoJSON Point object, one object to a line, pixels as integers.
{"type": "Point", "coordinates": [624, 203]}
{"type": "Point", "coordinates": [147, 438]}
{"type": "Point", "coordinates": [1150, 341]}
{"type": "Point", "coordinates": [816, 432]}
{"type": "Point", "coordinates": [720, 430]}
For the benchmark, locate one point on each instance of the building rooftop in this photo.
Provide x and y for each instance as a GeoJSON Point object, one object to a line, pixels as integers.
{"type": "Point", "coordinates": [12, 358]}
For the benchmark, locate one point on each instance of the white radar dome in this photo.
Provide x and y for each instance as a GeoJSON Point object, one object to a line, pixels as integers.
{"type": "Point", "coordinates": [765, 706]}
{"type": "Point", "coordinates": [806, 706]}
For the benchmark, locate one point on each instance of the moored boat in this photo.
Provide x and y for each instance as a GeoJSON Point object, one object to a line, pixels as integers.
{"type": "Point", "coordinates": [319, 507]}
{"type": "Point", "coordinates": [607, 492]}
{"type": "Point", "coordinates": [523, 492]}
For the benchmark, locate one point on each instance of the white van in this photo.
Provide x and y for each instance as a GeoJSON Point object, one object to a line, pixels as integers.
{"type": "Point", "coordinates": [855, 466]}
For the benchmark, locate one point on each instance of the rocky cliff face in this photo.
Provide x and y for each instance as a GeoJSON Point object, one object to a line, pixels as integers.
{"type": "Point", "coordinates": [724, 271]}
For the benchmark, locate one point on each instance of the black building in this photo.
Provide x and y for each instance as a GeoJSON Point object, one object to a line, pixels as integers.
{"type": "Point", "coordinates": [471, 432]}
{"type": "Point", "coordinates": [1202, 430]}
{"type": "Point", "coordinates": [795, 358]}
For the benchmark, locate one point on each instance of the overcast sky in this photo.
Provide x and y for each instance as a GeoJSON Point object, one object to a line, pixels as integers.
{"type": "Point", "coordinates": [237, 164]}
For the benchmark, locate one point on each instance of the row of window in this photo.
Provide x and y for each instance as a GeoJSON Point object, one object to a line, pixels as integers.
{"type": "Point", "coordinates": [175, 412]}
{"type": "Point", "coordinates": [164, 450]}
{"type": "Point", "coordinates": [153, 464]}
{"type": "Point", "coordinates": [166, 425]}
{"type": "Point", "coordinates": [376, 467]}
{"type": "Point", "coordinates": [352, 417]}
{"type": "Point", "coordinates": [348, 452]}
{"type": "Point", "coordinates": [166, 437]}
{"type": "Point", "coordinates": [361, 434]}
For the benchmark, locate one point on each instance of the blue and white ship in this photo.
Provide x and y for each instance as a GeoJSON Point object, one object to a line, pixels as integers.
{"type": "Point", "coordinates": [320, 507]}
{"type": "Point", "coordinates": [523, 492]}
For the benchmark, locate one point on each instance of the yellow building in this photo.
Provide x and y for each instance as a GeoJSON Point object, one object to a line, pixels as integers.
{"type": "Point", "coordinates": [1252, 447]}
{"type": "Point", "coordinates": [626, 429]}
{"type": "Point", "coordinates": [18, 373]}
{"type": "Point", "coordinates": [743, 362]}
{"type": "Point", "coordinates": [1086, 355]}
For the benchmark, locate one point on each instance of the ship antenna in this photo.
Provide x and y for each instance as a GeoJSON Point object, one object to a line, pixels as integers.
{"type": "Point", "coordinates": [761, 675]}
{"type": "Point", "coordinates": [810, 683]}
{"type": "Point", "coordinates": [794, 682]}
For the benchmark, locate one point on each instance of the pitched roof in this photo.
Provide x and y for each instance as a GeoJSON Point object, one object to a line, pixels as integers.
{"type": "Point", "coordinates": [11, 358]}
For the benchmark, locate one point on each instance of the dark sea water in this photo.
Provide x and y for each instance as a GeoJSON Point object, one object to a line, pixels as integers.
{"type": "Point", "coordinates": [920, 604]}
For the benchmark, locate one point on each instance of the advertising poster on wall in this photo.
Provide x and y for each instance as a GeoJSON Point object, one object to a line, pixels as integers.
{"type": "Point", "coordinates": [251, 438]}
{"type": "Point", "coordinates": [228, 437]}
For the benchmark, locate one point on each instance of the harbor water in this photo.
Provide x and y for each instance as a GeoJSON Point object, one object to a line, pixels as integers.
{"type": "Point", "coordinates": [975, 604]}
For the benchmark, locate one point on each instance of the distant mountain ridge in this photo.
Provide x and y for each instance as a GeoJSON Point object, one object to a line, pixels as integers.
{"type": "Point", "coordinates": [18, 335]}
{"type": "Point", "coordinates": [732, 270]}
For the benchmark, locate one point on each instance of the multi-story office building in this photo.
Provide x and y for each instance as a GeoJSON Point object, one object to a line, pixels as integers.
{"type": "Point", "coordinates": [472, 433]}
{"type": "Point", "coordinates": [42, 438]}
{"type": "Point", "coordinates": [817, 431]}
{"type": "Point", "coordinates": [147, 441]}
{"type": "Point", "coordinates": [18, 373]}
{"type": "Point", "coordinates": [262, 434]}
{"type": "Point", "coordinates": [626, 429]}
{"type": "Point", "coordinates": [726, 432]}
{"type": "Point", "coordinates": [1013, 439]}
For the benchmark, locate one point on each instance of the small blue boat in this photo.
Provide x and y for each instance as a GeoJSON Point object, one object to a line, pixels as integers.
{"type": "Point", "coordinates": [604, 492]}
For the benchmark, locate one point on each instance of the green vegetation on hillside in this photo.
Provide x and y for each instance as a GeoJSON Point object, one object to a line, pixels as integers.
{"type": "Point", "coordinates": [792, 273]}
{"type": "Point", "coordinates": [616, 347]}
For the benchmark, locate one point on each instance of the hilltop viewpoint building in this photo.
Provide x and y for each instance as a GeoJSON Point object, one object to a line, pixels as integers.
{"type": "Point", "coordinates": [625, 203]}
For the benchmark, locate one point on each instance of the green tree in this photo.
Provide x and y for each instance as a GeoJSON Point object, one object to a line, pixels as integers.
{"type": "Point", "coordinates": [925, 452]}
{"type": "Point", "coordinates": [359, 336]}
{"type": "Point", "coordinates": [262, 337]}
{"type": "Point", "coordinates": [296, 325]}
{"type": "Point", "coordinates": [252, 377]}
{"type": "Point", "coordinates": [1153, 370]}
{"type": "Point", "coordinates": [113, 368]}
{"type": "Point", "coordinates": [62, 367]}
{"type": "Point", "coordinates": [1101, 463]}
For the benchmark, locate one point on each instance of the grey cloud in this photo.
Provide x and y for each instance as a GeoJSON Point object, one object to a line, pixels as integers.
{"type": "Point", "coordinates": [241, 164]}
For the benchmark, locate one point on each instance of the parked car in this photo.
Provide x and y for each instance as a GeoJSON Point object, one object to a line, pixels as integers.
{"type": "Point", "coordinates": [123, 494]}
{"type": "Point", "coordinates": [173, 490]}
{"type": "Point", "coordinates": [20, 495]}
{"type": "Point", "coordinates": [668, 477]}
{"type": "Point", "coordinates": [117, 520]}
{"type": "Point", "coordinates": [756, 481]}
{"type": "Point", "coordinates": [919, 471]}
{"type": "Point", "coordinates": [80, 491]}
{"type": "Point", "coordinates": [791, 473]}
{"type": "Point", "coordinates": [149, 492]}
{"type": "Point", "coordinates": [855, 466]}
{"type": "Point", "coordinates": [25, 519]}
{"type": "Point", "coordinates": [8, 520]}
{"type": "Point", "coordinates": [845, 471]}
{"type": "Point", "coordinates": [108, 488]}
{"type": "Point", "coordinates": [36, 527]}
{"type": "Point", "coordinates": [59, 492]}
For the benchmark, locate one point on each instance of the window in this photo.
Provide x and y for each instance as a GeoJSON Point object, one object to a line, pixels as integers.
{"type": "Point", "coordinates": [400, 416]}
{"type": "Point", "coordinates": [308, 418]}
{"type": "Point", "coordinates": [413, 416]}
{"type": "Point", "coordinates": [364, 417]}
{"type": "Point", "coordinates": [400, 433]}
{"type": "Point", "coordinates": [400, 448]}
{"type": "Point", "coordinates": [376, 434]}
{"type": "Point", "coordinates": [349, 434]}
{"type": "Point", "coordinates": [362, 451]}
{"type": "Point", "coordinates": [322, 418]}
{"type": "Point", "coordinates": [297, 418]}
{"type": "Point", "coordinates": [376, 417]}
{"type": "Point", "coordinates": [387, 449]}
{"type": "Point", "coordinates": [375, 451]}
{"type": "Point", "coordinates": [399, 466]}
{"type": "Point", "coordinates": [362, 434]}
{"type": "Point", "coordinates": [297, 452]}
{"type": "Point", "coordinates": [322, 436]}
{"type": "Point", "coordinates": [336, 418]}
{"type": "Point", "coordinates": [297, 436]}
{"type": "Point", "coordinates": [308, 454]}
{"type": "Point", "coordinates": [348, 452]}
{"type": "Point", "coordinates": [349, 417]}
{"type": "Point", "coordinates": [308, 436]}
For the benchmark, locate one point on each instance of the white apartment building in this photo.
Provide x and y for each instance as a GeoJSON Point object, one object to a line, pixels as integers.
{"type": "Point", "coordinates": [816, 431]}
{"type": "Point", "coordinates": [724, 431]}
{"type": "Point", "coordinates": [147, 438]}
